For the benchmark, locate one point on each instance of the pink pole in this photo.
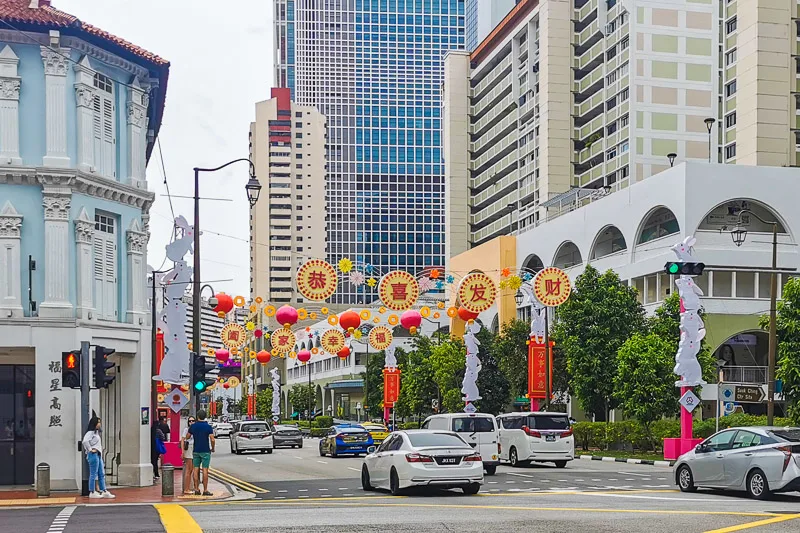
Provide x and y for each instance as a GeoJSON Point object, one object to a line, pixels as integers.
{"type": "Point", "coordinates": [174, 426]}
{"type": "Point", "coordinates": [686, 420]}
{"type": "Point", "coordinates": [534, 405]}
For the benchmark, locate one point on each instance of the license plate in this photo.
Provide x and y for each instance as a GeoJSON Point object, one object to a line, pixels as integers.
{"type": "Point", "coordinates": [550, 438]}
{"type": "Point", "coordinates": [449, 460]}
{"type": "Point", "coordinates": [352, 439]}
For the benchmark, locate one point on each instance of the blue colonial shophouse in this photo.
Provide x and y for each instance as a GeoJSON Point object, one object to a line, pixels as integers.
{"type": "Point", "coordinates": [79, 112]}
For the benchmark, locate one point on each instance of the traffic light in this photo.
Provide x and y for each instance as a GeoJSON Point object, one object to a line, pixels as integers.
{"type": "Point", "coordinates": [101, 366]}
{"type": "Point", "coordinates": [200, 367]}
{"type": "Point", "coordinates": [679, 268]}
{"type": "Point", "coordinates": [71, 369]}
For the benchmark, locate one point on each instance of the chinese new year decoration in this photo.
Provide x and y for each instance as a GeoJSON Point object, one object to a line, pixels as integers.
{"type": "Point", "coordinates": [224, 303]}
{"type": "Point", "coordinates": [411, 320]}
{"type": "Point", "coordinates": [304, 356]}
{"type": "Point", "coordinates": [380, 337]}
{"type": "Point", "coordinates": [222, 355]}
{"type": "Point", "coordinates": [350, 320]}
{"type": "Point", "coordinates": [391, 386]}
{"type": "Point", "coordinates": [552, 286]}
{"type": "Point", "coordinates": [477, 292]}
{"type": "Point", "coordinates": [316, 280]}
{"type": "Point", "coordinates": [286, 316]}
{"type": "Point", "coordinates": [344, 353]}
{"type": "Point", "coordinates": [538, 384]}
{"type": "Point", "coordinates": [332, 341]}
{"type": "Point", "coordinates": [283, 340]}
{"type": "Point", "coordinates": [398, 290]}
{"type": "Point", "coordinates": [263, 357]}
{"type": "Point", "coordinates": [233, 335]}
{"type": "Point", "coordinates": [465, 314]}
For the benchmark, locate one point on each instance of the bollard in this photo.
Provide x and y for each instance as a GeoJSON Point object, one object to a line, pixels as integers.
{"type": "Point", "coordinates": [167, 480]}
{"type": "Point", "coordinates": [43, 480]}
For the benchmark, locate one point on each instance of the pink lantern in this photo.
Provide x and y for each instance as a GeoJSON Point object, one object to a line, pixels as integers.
{"type": "Point", "coordinates": [223, 355]}
{"type": "Point", "coordinates": [304, 356]}
{"type": "Point", "coordinates": [286, 316]}
{"type": "Point", "coordinates": [411, 320]}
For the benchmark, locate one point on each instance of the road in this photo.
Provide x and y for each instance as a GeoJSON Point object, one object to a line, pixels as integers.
{"type": "Point", "coordinates": [297, 491]}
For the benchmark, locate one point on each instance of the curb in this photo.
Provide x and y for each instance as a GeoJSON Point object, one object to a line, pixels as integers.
{"type": "Point", "coordinates": [628, 461]}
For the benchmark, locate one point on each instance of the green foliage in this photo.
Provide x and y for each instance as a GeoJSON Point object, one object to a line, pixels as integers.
{"type": "Point", "coordinates": [264, 404]}
{"type": "Point", "coordinates": [511, 351]}
{"type": "Point", "coordinates": [319, 432]}
{"type": "Point", "coordinates": [594, 322]}
{"type": "Point", "coordinates": [644, 384]}
{"type": "Point", "coordinates": [492, 382]}
{"type": "Point", "coordinates": [373, 381]}
{"type": "Point", "coordinates": [302, 398]}
{"type": "Point", "coordinates": [323, 422]}
{"type": "Point", "coordinates": [787, 326]}
{"type": "Point", "coordinates": [417, 387]}
{"type": "Point", "coordinates": [447, 361]}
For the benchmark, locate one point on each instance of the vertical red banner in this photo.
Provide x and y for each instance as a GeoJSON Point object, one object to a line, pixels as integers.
{"type": "Point", "coordinates": [537, 383]}
{"type": "Point", "coordinates": [391, 386]}
{"type": "Point", "coordinates": [159, 355]}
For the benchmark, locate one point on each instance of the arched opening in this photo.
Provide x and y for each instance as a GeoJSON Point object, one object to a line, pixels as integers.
{"type": "Point", "coordinates": [609, 241]}
{"type": "Point", "coordinates": [726, 216]}
{"type": "Point", "coordinates": [495, 325]}
{"type": "Point", "coordinates": [660, 222]}
{"type": "Point", "coordinates": [318, 400]}
{"type": "Point", "coordinates": [533, 263]}
{"type": "Point", "coordinates": [567, 255]}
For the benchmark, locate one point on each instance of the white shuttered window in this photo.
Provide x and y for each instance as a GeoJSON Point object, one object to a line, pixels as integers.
{"type": "Point", "coordinates": [104, 132]}
{"type": "Point", "coordinates": [105, 266]}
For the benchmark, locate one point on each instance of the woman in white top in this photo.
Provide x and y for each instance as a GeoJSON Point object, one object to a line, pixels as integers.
{"type": "Point", "coordinates": [93, 446]}
{"type": "Point", "coordinates": [187, 450]}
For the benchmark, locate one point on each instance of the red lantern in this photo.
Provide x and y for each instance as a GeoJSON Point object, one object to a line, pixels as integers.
{"type": "Point", "coordinates": [258, 333]}
{"type": "Point", "coordinates": [224, 303]}
{"type": "Point", "coordinates": [466, 315]}
{"type": "Point", "coordinates": [286, 316]}
{"type": "Point", "coordinates": [304, 356]}
{"type": "Point", "coordinates": [263, 357]}
{"type": "Point", "coordinates": [411, 320]}
{"type": "Point", "coordinates": [223, 355]}
{"type": "Point", "coordinates": [344, 353]}
{"type": "Point", "coordinates": [226, 385]}
{"type": "Point", "coordinates": [349, 320]}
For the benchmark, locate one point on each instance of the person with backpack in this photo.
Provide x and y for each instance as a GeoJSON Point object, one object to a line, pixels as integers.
{"type": "Point", "coordinates": [204, 444]}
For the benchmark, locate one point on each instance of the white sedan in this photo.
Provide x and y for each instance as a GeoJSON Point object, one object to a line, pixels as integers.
{"type": "Point", "coordinates": [423, 458]}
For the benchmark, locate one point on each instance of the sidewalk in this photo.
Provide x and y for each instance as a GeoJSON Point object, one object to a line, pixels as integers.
{"type": "Point", "coordinates": [150, 494]}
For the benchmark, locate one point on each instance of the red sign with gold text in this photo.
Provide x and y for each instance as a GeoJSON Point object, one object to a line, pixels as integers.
{"type": "Point", "coordinates": [537, 370]}
{"type": "Point", "coordinates": [161, 388]}
{"type": "Point", "coordinates": [391, 386]}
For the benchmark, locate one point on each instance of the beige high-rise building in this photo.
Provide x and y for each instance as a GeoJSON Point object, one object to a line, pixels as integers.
{"type": "Point", "coordinates": [567, 100]}
{"type": "Point", "coordinates": [287, 225]}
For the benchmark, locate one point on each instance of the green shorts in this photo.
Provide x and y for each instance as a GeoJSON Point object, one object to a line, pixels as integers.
{"type": "Point", "coordinates": [201, 459]}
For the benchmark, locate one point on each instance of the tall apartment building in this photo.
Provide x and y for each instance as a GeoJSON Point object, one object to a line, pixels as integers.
{"type": "Point", "coordinates": [287, 146]}
{"type": "Point", "coordinates": [482, 16]}
{"type": "Point", "coordinates": [374, 69]}
{"type": "Point", "coordinates": [571, 99]}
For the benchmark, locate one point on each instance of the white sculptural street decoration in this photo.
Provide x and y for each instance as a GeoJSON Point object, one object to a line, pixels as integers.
{"type": "Point", "coordinates": [276, 392]}
{"type": "Point", "coordinates": [537, 315]}
{"type": "Point", "coordinates": [692, 328]}
{"type": "Point", "coordinates": [469, 386]}
{"type": "Point", "coordinates": [172, 318]}
{"type": "Point", "coordinates": [390, 361]}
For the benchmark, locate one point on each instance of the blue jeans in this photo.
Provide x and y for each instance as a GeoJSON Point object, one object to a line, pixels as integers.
{"type": "Point", "coordinates": [97, 471]}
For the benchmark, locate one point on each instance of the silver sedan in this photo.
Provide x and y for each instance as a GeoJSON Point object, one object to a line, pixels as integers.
{"type": "Point", "coordinates": [758, 460]}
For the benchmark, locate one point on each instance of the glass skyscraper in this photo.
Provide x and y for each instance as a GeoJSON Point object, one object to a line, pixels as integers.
{"type": "Point", "coordinates": [374, 68]}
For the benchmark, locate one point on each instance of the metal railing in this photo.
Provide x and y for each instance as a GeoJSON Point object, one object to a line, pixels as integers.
{"type": "Point", "coordinates": [744, 374]}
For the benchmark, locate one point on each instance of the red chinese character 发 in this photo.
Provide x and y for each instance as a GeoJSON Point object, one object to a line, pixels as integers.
{"type": "Point", "coordinates": [283, 340]}
{"type": "Point", "coordinates": [552, 286]}
{"type": "Point", "coordinates": [316, 280]}
{"type": "Point", "coordinates": [399, 291]}
{"type": "Point", "coordinates": [478, 292]}
{"type": "Point", "coordinates": [381, 336]}
{"type": "Point", "coordinates": [233, 335]}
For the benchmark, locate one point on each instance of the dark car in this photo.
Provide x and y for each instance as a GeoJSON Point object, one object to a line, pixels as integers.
{"type": "Point", "coordinates": [289, 436]}
{"type": "Point", "coordinates": [342, 440]}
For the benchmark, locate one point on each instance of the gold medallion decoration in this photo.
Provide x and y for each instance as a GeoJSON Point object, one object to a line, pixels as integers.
{"type": "Point", "coordinates": [283, 340]}
{"type": "Point", "coordinates": [233, 335]}
{"type": "Point", "coordinates": [233, 381]}
{"type": "Point", "coordinates": [552, 286]}
{"type": "Point", "coordinates": [332, 341]}
{"type": "Point", "coordinates": [398, 290]}
{"type": "Point", "coordinates": [477, 292]}
{"type": "Point", "coordinates": [380, 337]}
{"type": "Point", "coordinates": [316, 280]}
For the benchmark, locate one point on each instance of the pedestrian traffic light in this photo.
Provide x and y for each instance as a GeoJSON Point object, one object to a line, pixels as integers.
{"type": "Point", "coordinates": [71, 369]}
{"type": "Point", "coordinates": [200, 368]}
{"type": "Point", "coordinates": [101, 366]}
{"type": "Point", "coordinates": [680, 268]}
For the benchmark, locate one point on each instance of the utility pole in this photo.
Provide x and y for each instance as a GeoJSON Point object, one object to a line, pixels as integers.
{"type": "Point", "coordinates": [86, 376]}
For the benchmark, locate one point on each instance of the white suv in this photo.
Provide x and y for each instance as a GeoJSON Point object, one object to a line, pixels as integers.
{"type": "Point", "coordinates": [478, 429]}
{"type": "Point", "coordinates": [536, 437]}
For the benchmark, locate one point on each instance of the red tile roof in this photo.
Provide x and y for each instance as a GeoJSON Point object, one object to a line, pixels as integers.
{"type": "Point", "coordinates": [19, 11]}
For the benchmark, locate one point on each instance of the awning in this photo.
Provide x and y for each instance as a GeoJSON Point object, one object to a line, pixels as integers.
{"type": "Point", "coordinates": [568, 197]}
{"type": "Point", "coordinates": [346, 384]}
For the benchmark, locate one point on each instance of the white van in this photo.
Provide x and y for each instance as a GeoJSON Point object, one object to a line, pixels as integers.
{"type": "Point", "coordinates": [536, 437]}
{"type": "Point", "coordinates": [478, 429]}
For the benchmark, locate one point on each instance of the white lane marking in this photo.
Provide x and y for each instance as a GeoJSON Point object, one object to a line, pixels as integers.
{"type": "Point", "coordinates": [342, 488]}
{"type": "Point", "coordinates": [593, 479]}
{"type": "Point", "coordinates": [630, 479]}
{"type": "Point", "coordinates": [612, 479]}
{"type": "Point", "coordinates": [302, 496]}
{"type": "Point", "coordinates": [563, 480]}
{"type": "Point", "coordinates": [514, 490]}
{"type": "Point", "coordinates": [634, 474]}
{"type": "Point", "coordinates": [61, 519]}
{"type": "Point", "coordinates": [323, 462]}
{"type": "Point", "coordinates": [323, 489]}
{"type": "Point", "coordinates": [545, 480]}
{"type": "Point", "coordinates": [509, 482]}
{"type": "Point", "coordinates": [297, 457]}
{"type": "Point", "coordinates": [494, 490]}
{"type": "Point", "coordinates": [662, 479]}
{"type": "Point", "coordinates": [656, 486]}
{"type": "Point", "coordinates": [282, 491]}
{"type": "Point", "coordinates": [637, 496]}
{"type": "Point", "coordinates": [527, 481]}
{"type": "Point", "coordinates": [326, 496]}
{"type": "Point", "coordinates": [302, 490]}
{"type": "Point", "coordinates": [520, 475]}
{"type": "Point", "coordinates": [578, 480]}
{"type": "Point", "coordinates": [347, 494]}
{"type": "Point", "coordinates": [354, 469]}
{"type": "Point", "coordinates": [254, 459]}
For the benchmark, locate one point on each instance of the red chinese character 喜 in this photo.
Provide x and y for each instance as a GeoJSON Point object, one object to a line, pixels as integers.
{"type": "Point", "coordinates": [399, 291]}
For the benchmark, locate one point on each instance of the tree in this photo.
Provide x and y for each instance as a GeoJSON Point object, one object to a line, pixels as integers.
{"type": "Point", "coordinates": [787, 325]}
{"type": "Point", "coordinates": [373, 383]}
{"type": "Point", "coordinates": [448, 363]}
{"type": "Point", "coordinates": [417, 386]}
{"type": "Point", "coordinates": [302, 398]}
{"type": "Point", "coordinates": [511, 352]}
{"type": "Point", "coordinates": [264, 403]}
{"type": "Point", "coordinates": [592, 325]}
{"type": "Point", "coordinates": [644, 384]}
{"type": "Point", "coordinates": [492, 381]}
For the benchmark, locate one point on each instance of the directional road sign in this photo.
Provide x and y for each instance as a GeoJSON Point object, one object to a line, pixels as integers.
{"type": "Point", "coordinates": [749, 393]}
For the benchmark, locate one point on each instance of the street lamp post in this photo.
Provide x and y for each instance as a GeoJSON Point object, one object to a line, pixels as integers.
{"type": "Point", "coordinates": [671, 156]}
{"type": "Point", "coordinates": [739, 234]}
{"type": "Point", "coordinates": [253, 189]}
{"type": "Point", "coordinates": [709, 124]}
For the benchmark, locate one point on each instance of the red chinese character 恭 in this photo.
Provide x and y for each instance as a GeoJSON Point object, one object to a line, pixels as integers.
{"type": "Point", "coordinates": [316, 280]}
{"type": "Point", "coordinates": [478, 292]}
{"type": "Point", "coordinates": [399, 291]}
{"type": "Point", "coordinates": [552, 286]}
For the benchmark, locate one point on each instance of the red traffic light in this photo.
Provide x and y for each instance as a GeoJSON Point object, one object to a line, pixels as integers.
{"type": "Point", "coordinates": [72, 362]}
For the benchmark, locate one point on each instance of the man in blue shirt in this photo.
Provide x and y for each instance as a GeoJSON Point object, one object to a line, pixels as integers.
{"type": "Point", "coordinates": [204, 444]}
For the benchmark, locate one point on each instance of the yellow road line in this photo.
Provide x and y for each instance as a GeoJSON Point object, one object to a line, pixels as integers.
{"type": "Point", "coordinates": [176, 519]}
{"type": "Point", "coordinates": [244, 485]}
{"type": "Point", "coordinates": [36, 501]}
{"type": "Point", "coordinates": [760, 523]}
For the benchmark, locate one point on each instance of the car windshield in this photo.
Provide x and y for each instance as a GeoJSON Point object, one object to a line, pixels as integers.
{"type": "Point", "coordinates": [251, 428]}
{"type": "Point", "coordinates": [285, 427]}
{"type": "Point", "coordinates": [786, 434]}
{"type": "Point", "coordinates": [548, 422]}
{"type": "Point", "coordinates": [423, 440]}
{"type": "Point", "coordinates": [479, 424]}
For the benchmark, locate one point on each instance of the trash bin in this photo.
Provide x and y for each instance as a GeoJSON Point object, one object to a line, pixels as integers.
{"type": "Point", "coordinates": [43, 480]}
{"type": "Point", "coordinates": [167, 480]}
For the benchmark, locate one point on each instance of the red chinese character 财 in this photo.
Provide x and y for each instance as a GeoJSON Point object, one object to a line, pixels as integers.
{"type": "Point", "coordinates": [399, 291]}
{"type": "Point", "coordinates": [316, 280]}
{"type": "Point", "coordinates": [552, 286]}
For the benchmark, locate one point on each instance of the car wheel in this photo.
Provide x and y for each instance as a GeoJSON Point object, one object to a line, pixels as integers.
{"type": "Point", "coordinates": [365, 484]}
{"type": "Point", "coordinates": [293, 446]}
{"type": "Point", "coordinates": [561, 464]}
{"type": "Point", "coordinates": [757, 485]}
{"type": "Point", "coordinates": [472, 488]}
{"type": "Point", "coordinates": [514, 459]}
{"type": "Point", "coordinates": [301, 445]}
{"type": "Point", "coordinates": [269, 450]}
{"type": "Point", "coordinates": [263, 452]}
{"type": "Point", "coordinates": [333, 453]}
{"type": "Point", "coordinates": [685, 479]}
{"type": "Point", "coordinates": [490, 470]}
{"type": "Point", "coordinates": [321, 450]}
{"type": "Point", "coordinates": [394, 483]}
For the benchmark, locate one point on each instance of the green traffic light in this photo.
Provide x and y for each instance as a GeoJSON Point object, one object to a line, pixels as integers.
{"type": "Point", "coordinates": [200, 386]}
{"type": "Point", "coordinates": [674, 268]}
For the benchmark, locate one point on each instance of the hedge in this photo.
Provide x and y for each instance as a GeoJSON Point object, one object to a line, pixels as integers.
{"type": "Point", "coordinates": [319, 432]}
{"type": "Point", "coordinates": [630, 434]}
{"type": "Point", "coordinates": [323, 422]}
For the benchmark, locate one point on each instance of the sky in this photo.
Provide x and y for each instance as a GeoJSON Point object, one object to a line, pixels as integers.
{"type": "Point", "coordinates": [221, 59]}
